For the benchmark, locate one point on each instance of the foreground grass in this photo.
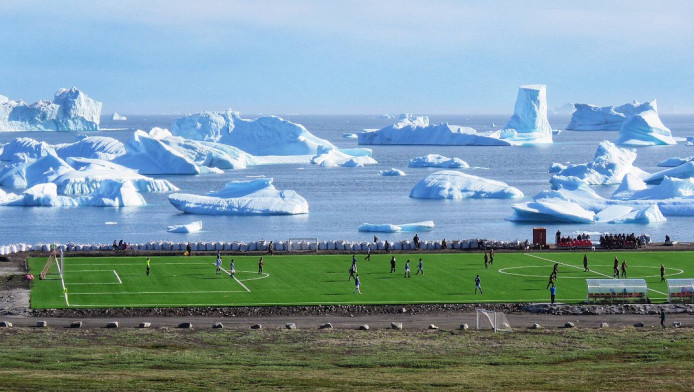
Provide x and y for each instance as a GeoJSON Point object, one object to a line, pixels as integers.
{"type": "Point", "coordinates": [161, 359]}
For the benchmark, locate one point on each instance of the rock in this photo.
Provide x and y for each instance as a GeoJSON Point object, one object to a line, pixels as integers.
{"type": "Point", "coordinates": [5, 324]}
{"type": "Point", "coordinates": [403, 310]}
{"type": "Point", "coordinates": [290, 326]}
{"type": "Point", "coordinates": [185, 325]}
{"type": "Point", "coordinates": [364, 327]}
{"type": "Point", "coordinates": [676, 324]}
{"type": "Point", "coordinates": [41, 324]}
{"type": "Point", "coordinates": [325, 326]}
{"type": "Point", "coordinates": [639, 325]}
{"type": "Point", "coordinates": [217, 325]}
{"type": "Point", "coordinates": [256, 326]}
{"type": "Point", "coordinates": [569, 324]}
{"type": "Point", "coordinates": [396, 325]}
{"type": "Point", "coordinates": [76, 324]}
{"type": "Point", "coordinates": [145, 325]}
{"type": "Point", "coordinates": [112, 324]}
{"type": "Point", "coordinates": [536, 326]}
{"type": "Point", "coordinates": [604, 325]}
{"type": "Point", "coordinates": [432, 326]}
{"type": "Point", "coordinates": [464, 327]}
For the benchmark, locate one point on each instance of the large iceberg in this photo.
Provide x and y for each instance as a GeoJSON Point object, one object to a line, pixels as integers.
{"type": "Point", "coordinates": [551, 210]}
{"type": "Point", "coordinates": [645, 129]}
{"type": "Point", "coordinates": [529, 123]}
{"type": "Point", "coordinates": [71, 110]}
{"type": "Point", "coordinates": [411, 129]}
{"type": "Point", "coordinates": [39, 195]}
{"type": "Point", "coordinates": [113, 194]}
{"type": "Point", "coordinates": [436, 160]}
{"type": "Point", "coordinates": [254, 197]}
{"type": "Point", "coordinates": [267, 135]}
{"type": "Point", "coordinates": [109, 194]}
{"type": "Point", "coordinates": [610, 165]}
{"type": "Point", "coordinates": [607, 118]}
{"type": "Point", "coordinates": [685, 170]}
{"type": "Point", "coordinates": [146, 153]}
{"type": "Point", "coordinates": [97, 147]}
{"type": "Point", "coordinates": [451, 184]}
{"type": "Point", "coordinates": [26, 172]}
{"type": "Point", "coordinates": [391, 228]}
{"type": "Point", "coordinates": [23, 148]}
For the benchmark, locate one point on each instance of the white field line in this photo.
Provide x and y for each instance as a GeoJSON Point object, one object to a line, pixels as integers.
{"type": "Point", "coordinates": [596, 272]}
{"type": "Point", "coordinates": [62, 281]}
{"type": "Point", "coordinates": [162, 292]}
{"type": "Point", "coordinates": [135, 263]}
{"type": "Point", "coordinates": [237, 281]}
{"type": "Point", "coordinates": [116, 273]}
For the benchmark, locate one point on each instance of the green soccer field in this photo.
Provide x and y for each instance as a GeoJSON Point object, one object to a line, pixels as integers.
{"type": "Point", "coordinates": [323, 279]}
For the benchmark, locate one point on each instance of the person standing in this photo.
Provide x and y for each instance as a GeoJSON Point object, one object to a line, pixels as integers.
{"type": "Point", "coordinates": [491, 256]}
{"type": "Point", "coordinates": [232, 270]}
{"type": "Point", "coordinates": [356, 284]}
{"type": "Point", "coordinates": [662, 273]}
{"type": "Point", "coordinates": [616, 268]}
{"type": "Point", "coordinates": [218, 263]}
{"type": "Point", "coordinates": [416, 241]}
{"type": "Point", "coordinates": [392, 264]}
{"type": "Point", "coordinates": [387, 247]}
{"type": "Point", "coordinates": [269, 248]}
{"type": "Point", "coordinates": [420, 268]}
{"type": "Point", "coordinates": [478, 284]}
{"type": "Point", "coordinates": [486, 260]}
{"type": "Point", "coordinates": [407, 269]}
{"type": "Point", "coordinates": [555, 271]}
{"type": "Point", "coordinates": [368, 254]}
{"type": "Point", "coordinates": [351, 273]}
{"type": "Point", "coordinates": [260, 265]}
{"type": "Point", "coordinates": [662, 318]}
{"type": "Point", "coordinates": [624, 269]}
{"type": "Point", "coordinates": [585, 263]}
{"type": "Point", "coordinates": [553, 293]}
{"type": "Point", "coordinates": [354, 262]}
{"type": "Point", "coordinates": [189, 250]}
{"type": "Point", "coordinates": [148, 266]}
{"type": "Point", "coordinates": [551, 281]}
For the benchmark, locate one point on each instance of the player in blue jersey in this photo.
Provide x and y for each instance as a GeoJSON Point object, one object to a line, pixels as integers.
{"type": "Point", "coordinates": [356, 285]}
{"type": "Point", "coordinates": [420, 268]}
{"type": "Point", "coordinates": [407, 269]}
{"type": "Point", "coordinates": [232, 270]}
{"type": "Point", "coordinates": [218, 263]}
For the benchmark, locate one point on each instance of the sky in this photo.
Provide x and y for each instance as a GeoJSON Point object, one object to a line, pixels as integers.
{"type": "Point", "coordinates": [348, 57]}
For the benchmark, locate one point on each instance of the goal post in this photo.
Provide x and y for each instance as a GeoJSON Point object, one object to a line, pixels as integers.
{"type": "Point", "coordinates": [302, 245]}
{"type": "Point", "coordinates": [494, 320]}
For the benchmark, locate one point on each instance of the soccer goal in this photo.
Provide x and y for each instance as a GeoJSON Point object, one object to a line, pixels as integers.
{"type": "Point", "coordinates": [494, 320]}
{"type": "Point", "coordinates": [302, 245]}
{"type": "Point", "coordinates": [56, 256]}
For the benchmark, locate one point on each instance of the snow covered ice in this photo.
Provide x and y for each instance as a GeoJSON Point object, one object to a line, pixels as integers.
{"type": "Point", "coordinates": [254, 197]}
{"type": "Point", "coordinates": [451, 184]}
{"type": "Point", "coordinates": [645, 129]}
{"type": "Point", "coordinates": [192, 227]}
{"type": "Point", "coordinates": [610, 165]}
{"type": "Point", "coordinates": [529, 123]}
{"type": "Point", "coordinates": [607, 118]}
{"type": "Point", "coordinates": [392, 172]}
{"type": "Point", "coordinates": [436, 160]}
{"type": "Point", "coordinates": [332, 157]}
{"type": "Point", "coordinates": [392, 228]}
{"type": "Point", "coordinates": [118, 117]}
{"type": "Point", "coordinates": [109, 194]}
{"type": "Point", "coordinates": [70, 110]}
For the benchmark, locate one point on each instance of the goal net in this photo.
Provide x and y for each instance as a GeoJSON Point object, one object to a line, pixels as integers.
{"type": "Point", "coordinates": [302, 245]}
{"type": "Point", "coordinates": [495, 320]}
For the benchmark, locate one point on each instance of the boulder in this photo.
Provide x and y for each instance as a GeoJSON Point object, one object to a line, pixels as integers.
{"type": "Point", "coordinates": [364, 327]}
{"type": "Point", "coordinates": [290, 326]}
{"type": "Point", "coordinates": [569, 324]}
{"type": "Point", "coordinates": [256, 326]}
{"type": "Point", "coordinates": [395, 325]}
{"type": "Point", "coordinates": [76, 324]}
{"type": "Point", "coordinates": [185, 325]}
{"type": "Point", "coordinates": [217, 325]}
{"type": "Point", "coordinates": [326, 326]}
{"type": "Point", "coordinates": [464, 327]}
{"type": "Point", "coordinates": [145, 325]}
{"type": "Point", "coordinates": [639, 325]}
{"type": "Point", "coordinates": [41, 324]}
{"type": "Point", "coordinates": [5, 324]}
{"type": "Point", "coordinates": [112, 324]}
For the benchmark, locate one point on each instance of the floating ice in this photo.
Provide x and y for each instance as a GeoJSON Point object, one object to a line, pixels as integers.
{"type": "Point", "coordinates": [529, 123]}
{"type": "Point", "coordinates": [28, 172]}
{"type": "Point", "coordinates": [685, 170]}
{"type": "Point", "coordinates": [607, 118]}
{"type": "Point", "coordinates": [192, 227]}
{"type": "Point", "coordinates": [676, 161]}
{"type": "Point", "coordinates": [268, 135]}
{"type": "Point", "coordinates": [331, 157]}
{"type": "Point", "coordinates": [610, 165]}
{"type": "Point", "coordinates": [22, 148]}
{"type": "Point", "coordinates": [645, 129]}
{"type": "Point", "coordinates": [71, 110]}
{"type": "Point", "coordinates": [113, 194]}
{"type": "Point", "coordinates": [391, 172]}
{"type": "Point", "coordinates": [349, 135]}
{"type": "Point", "coordinates": [436, 160]}
{"type": "Point", "coordinates": [40, 195]}
{"type": "Point", "coordinates": [556, 167]}
{"type": "Point", "coordinates": [391, 228]}
{"type": "Point", "coordinates": [575, 190]}
{"type": "Point", "coordinates": [551, 210]}
{"type": "Point", "coordinates": [254, 197]}
{"type": "Point", "coordinates": [98, 147]}
{"type": "Point", "coordinates": [632, 189]}
{"type": "Point", "coordinates": [118, 117]}
{"type": "Point", "coordinates": [109, 194]}
{"type": "Point", "coordinates": [450, 184]}
{"type": "Point", "coordinates": [147, 154]}
{"type": "Point", "coordinates": [630, 185]}
{"type": "Point", "coordinates": [625, 214]}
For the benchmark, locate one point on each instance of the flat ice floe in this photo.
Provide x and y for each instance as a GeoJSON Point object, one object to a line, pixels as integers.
{"type": "Point", "coordinates": [192, 227]}
{"type": "Point", "coordinates": [551, 210]}
{"type": "Point", "coordinates": [450, 184]}
{"type": "Point", "coordinates": [332, 157]}
{"type": "Point", "coordinates": [254, 197]}
{"type": "Point", "coordinates": [391, 228]}
{"type": "Point", "coordinates": [109, 194]}
{"type": "Point", "coordinates": [392, 172]}
{"type": "Point", "coordinates": [685, 170]}
{"type": "Point", "coordinates": [436, 160]}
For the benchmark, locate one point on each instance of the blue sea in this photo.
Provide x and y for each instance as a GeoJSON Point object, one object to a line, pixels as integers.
{"type": "Point", "coordinates": [341, 199]}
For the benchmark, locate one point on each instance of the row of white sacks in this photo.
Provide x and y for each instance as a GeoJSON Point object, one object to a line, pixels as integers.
{"type": "Point", "coordinates": [254, 246]}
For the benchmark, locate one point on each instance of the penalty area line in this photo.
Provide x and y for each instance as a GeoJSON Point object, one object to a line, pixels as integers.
{"type": "Point", "coordinates": [118, 277]}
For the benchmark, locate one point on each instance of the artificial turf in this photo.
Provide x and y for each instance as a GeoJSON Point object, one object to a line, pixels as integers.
{"type": "Point", "coordinates": [310, 279]}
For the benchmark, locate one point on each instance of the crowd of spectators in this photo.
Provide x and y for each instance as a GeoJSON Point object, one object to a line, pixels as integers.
{"type": "Point", "coordinates": [620, 241]}
{"type": "Point", "coordinates": [581, 241]}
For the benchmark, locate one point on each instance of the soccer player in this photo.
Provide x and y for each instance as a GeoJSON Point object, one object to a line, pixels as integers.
{"type": "Point", "coordinates": [232, 270]}
{"type": "Point", "coordinates": [351, 273]}
{"type": "Point", "coordinates": [556, 270]}
{"type": "Point", "coordinates": [368, 253]}
{"type": "Point", "coordinates": [553, 293]}
{"type": "Point", "coordinates": [189, 250]}
{"type": "Point", "coordinates": [486, 260]}
{"type": "Point", "coordinates": [148, 266]}
{"type": "Point", "coordinates": [260, 266]}
{"type": "Point", "coordinates": [420, 268]}
{"type": "Point", "coordinates": [356, 284]}
{"type": "Point", "coordinates": [491, 256]}
{"type": "Point", "coordinates": [624, 269]}
{"type": "Point", "coordinates": [392, 264]}
{"type": "Point", "coordinates": [551, 280]}
{"type": "Point", "coordinates": [616, 268]}
{"type": "Point", "coordinates": [478, 284]}
{"type": "Point", "coordinates": [662, 273]}
{"type": "Point", "coordinates": [585, 263]}
{"type": "Point", "coordinates": [354, 262]}
{"type": "Point", "coordinates": [407, 269]}
{"type": "Point", "coordinates": [218, 263]}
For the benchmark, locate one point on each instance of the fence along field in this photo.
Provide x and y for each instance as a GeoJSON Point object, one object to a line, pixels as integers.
{"type": "Point", "coordinates": [178, 281]}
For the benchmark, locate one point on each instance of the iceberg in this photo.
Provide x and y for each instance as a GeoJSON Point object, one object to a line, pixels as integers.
{"type": "Point", "coordinates": [630, 185]}
{"type": "Point", "coordinates": [610, 165]}
{"type": "Point", "coordinates": [331, 157]}
{"type": "Point", "coordinates": [109, 194]}
{"type": "Point", "coordinates": [23, 148]}
{"type": "Point", "coordinates": [607, 118]}
{"type": "Point", "coordinates": [633, 189]}
{"type": "Point", "coordinates": [27, 172]}
{"type": "Point", "coordinates": [416, 130]}
{"type": "Point", "coordinates": [349, 136]}
{"type": "Point", "coordinates": [146, 153]}
{"type": "Point", "coordinates": [625, 214]}
{"type": "Point", "coordinates": [192, 227]}
{"type": "Point", "coordinates": [71, 110]}
{"type": "Point", "coordinates": [254, 197]}
{"type": "Point", "coordinates": [436, 160]}
{"type": "Point", "coordinates": [267, 135]}
{"type": "Point", "coordinates": [685, 170]}
{"type": "Point", "coordinates": [529, 123]}
{"type": "Point", "coordinates": [676, 161]}
{"type": "Point", "coordinates": [551, 210]}
{"type": "Point", "coordinates": [451, 184]}
{"type": "Point", "coordinates": [392, 172]}
{"type": "Point", "coordinates": [113, 194]}
{"type": "Point", "coordinates": [575, 190]}
{"type": "Point", "coordinates": [391, 228]}
{"type": "Point", "coordinates": [645, 129]}
{"type": "Point", "coordinates": [40, 195]}
{"type": "Point", "coordinates": [118, 117]}
{"type": "Point", "coordinates": [97, 147]}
